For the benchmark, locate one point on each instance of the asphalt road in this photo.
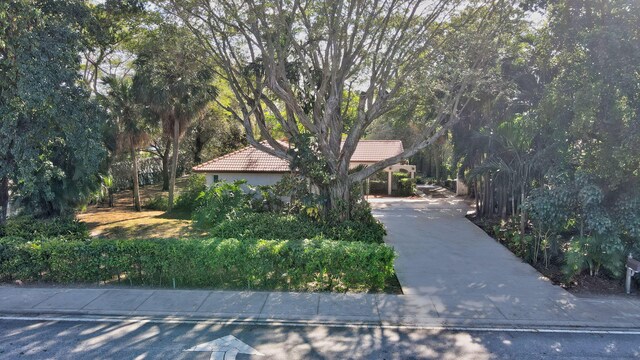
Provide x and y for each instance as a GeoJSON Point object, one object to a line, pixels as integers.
{"type": "Point", "coordinates": [42, 339]}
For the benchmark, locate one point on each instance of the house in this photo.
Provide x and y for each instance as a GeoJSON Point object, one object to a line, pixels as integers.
{"type": "Point", "coordinates": [260, 168]}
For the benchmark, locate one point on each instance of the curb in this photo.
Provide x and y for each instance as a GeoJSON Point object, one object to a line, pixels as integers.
{"type": "Point", "coordinates": [450, 324]}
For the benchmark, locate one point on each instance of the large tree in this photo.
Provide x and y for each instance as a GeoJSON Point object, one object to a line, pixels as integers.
{"type": "Point", "coordinates": [175, 82]}
{"type": "Point", "coordinates": [50, 145]}
{"type": "Point", "coordinates": [132, 133]}
{"type": "Point", "coordinates": [307, 63]}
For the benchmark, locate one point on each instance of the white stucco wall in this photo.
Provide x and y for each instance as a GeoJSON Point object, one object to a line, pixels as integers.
{"type": "Point", "coordinates": [252, 178]}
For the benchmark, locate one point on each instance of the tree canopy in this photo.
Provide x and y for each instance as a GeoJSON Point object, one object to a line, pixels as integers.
{"type": "Point", "coordinates": [303, 63]}
{"type": "Point", "coordinates": [50, 139]}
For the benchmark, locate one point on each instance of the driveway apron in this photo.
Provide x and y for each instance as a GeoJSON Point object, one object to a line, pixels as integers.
{"type": "Point", "coordinates": [444, 257]}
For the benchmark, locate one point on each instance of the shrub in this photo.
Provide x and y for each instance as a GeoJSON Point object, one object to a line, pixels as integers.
{"type": "Point", "coordinates": [191, 197]}
{"type": "Point", "coordinates": [594, 253]}
{"type": "Point", "coordinates": [158, 202]}
{"type": "Point", "coordinates": [296, 227]}
{"type": "Point", "coordinates": [230, 263]}
{"type": "Point", "coordinates": [29, 228]}
{"type": "Point", "coordinates": [267, 226]}
{"type": "Point", "coordinates": [406, 185]}
{"type": "Point", "coordinates": [221, 201]}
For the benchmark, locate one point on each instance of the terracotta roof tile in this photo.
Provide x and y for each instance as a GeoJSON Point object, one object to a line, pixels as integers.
{"type": "Point", "coordinates": [376, 150]}
{"type": "Point", "coordinates": [250, 159]}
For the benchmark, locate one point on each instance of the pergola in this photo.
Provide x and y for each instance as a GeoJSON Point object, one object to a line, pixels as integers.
{"type": "Point", "coordinates": [409, 169]}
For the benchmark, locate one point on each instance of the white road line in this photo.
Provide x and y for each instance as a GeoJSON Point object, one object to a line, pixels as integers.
{"type": "Point", "coordinates": [523, 329]}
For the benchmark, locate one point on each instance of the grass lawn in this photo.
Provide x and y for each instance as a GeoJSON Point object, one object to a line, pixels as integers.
{"type": "Point", "coordinates": [122, 222]}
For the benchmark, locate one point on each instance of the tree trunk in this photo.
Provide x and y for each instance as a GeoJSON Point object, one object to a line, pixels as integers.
{"type": "Point", "coordinates": [4, 199]}
{"type": "Point", "coordinates": [165, 167]}
{"type": "Point", "coordinates": [136, 184]}
{"type": "Point", "coordinates": [523, 212]}
{"type": "Point", "coordinates": [197, 151]}
{"type": "Point", "coordinates": [338, 200]}
{"type": "Point", "coordinates": [174, 163]}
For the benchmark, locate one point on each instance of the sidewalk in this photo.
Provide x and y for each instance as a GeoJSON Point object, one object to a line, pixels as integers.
{"type": "Point", "coordinates": [311, 308]}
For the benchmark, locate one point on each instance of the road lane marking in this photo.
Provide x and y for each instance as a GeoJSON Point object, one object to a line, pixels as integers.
{"type": "Point", "coordinates": [225, 348]}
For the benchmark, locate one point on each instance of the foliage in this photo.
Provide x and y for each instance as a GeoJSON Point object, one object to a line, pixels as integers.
{"type": "Point", "coordinates": [130, 129]}
{"type": "Point", "coordinates": [111, 31]}
{"type": "Point", "coordinates": [30, 229]}
{"type": "Point", "coordinates": [406, 185]}
{"type": "Point", "coordinates": [222, 200]}
{"type": "Point", "coordinates": [555, 153]}
{"type": "Point", "coordinates": [294, 73]}
{"type": "Point", "coordinates": [264, 198]}
{"type": "Point", "coordinates": [175, 82]}
{"type": "Point", "coordinates": [105, 191]}
{"type": "Point", "coordinates": [594, 252]}
{"type": "Point", "coordinates": [296, 227]}
{"type": "Point", "coordinates": [158, 202]}
{"type": "Point", "coordinates": [149, 168]}
{"type": "Point", "coordinates": [523, 246]}
{"type": "Point", "coordinates": [231, 212]}
{"type": "Point", "coordinates": [191, 197]}
{"type": "Point", "coordinates": [307, 265]}
{"type": "Point", "coordinates": [50, 142]}
{"type": "Point", "coordinates": [577, 204]}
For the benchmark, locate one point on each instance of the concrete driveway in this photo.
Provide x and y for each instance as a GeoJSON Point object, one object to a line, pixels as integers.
{"type": "Point", "coordinates": [444, 258]}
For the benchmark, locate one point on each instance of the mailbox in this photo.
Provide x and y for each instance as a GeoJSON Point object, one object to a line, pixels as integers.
{"type": "Point", "coordinates": [633, 267]}
{"type": "Point", "coordinates": [633, 264]}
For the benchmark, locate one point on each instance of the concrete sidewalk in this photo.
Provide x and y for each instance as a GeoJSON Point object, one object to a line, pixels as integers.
{"type": "Point", "coordinates": [310, 308]}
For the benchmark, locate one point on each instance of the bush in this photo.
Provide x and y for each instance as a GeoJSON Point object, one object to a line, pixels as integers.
{"type": "Point", "coordinates": [267, 226]}
{"type": "Point", "coordinates": [296, 227]}
{"type": "Point", "coordinates": [158, 202]}
{"type": "Point", "coordinates": [306, 265]}
{"type": "Point", "coordinates": [221, 201]}
{"type": "Point", "coordinates": [29, 228]}
{"type": "Point", "coordinates": [191, 197]}
{"type": "Point", "coordinates": [406, 185]}
{"type": "Point", "coordinates": [594, 253]}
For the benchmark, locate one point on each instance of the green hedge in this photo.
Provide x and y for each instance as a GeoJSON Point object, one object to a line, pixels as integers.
{"type": "Point", "coordinates": [230, 263]}
{"type": "Point", "coordinates": [28, 227]}
{"type": "Point", "coordinates": [296, 227]}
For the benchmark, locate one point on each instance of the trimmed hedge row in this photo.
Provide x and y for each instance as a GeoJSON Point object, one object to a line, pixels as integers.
{"type": "Point", "coordinates": [307, 265]}
{"type": "Point", "coordinates": [28, 227]}
{"type": "Point", "coordinates": [296, 227]}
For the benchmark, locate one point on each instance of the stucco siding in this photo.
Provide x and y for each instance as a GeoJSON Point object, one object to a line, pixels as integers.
{"type": "Point", "coordinates": [252, 178]}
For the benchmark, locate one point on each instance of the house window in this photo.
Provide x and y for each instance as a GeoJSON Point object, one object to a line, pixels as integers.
{"type": "Point", "coordinates": [215, 178]}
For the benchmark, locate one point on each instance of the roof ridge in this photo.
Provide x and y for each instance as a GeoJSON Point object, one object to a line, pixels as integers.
{"type": "Point", "coordinates": [380, 140]}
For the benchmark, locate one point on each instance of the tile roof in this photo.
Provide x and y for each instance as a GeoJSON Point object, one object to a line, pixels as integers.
{"type": "Point", "coordinates": [250, 159]}
{"type": "Point", "coordinates": [376, 150]}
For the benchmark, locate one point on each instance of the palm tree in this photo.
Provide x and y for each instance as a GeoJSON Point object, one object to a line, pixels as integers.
{"type": "Point", "coordinates": [131, 130]}
{"type": "Point", "coordinates": [173, 83]}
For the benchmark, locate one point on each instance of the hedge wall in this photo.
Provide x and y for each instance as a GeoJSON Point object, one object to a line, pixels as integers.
{"type": "Point", "coordinates": [296, 227]}
{"type": "Point", "coordinates": [306, 265]}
